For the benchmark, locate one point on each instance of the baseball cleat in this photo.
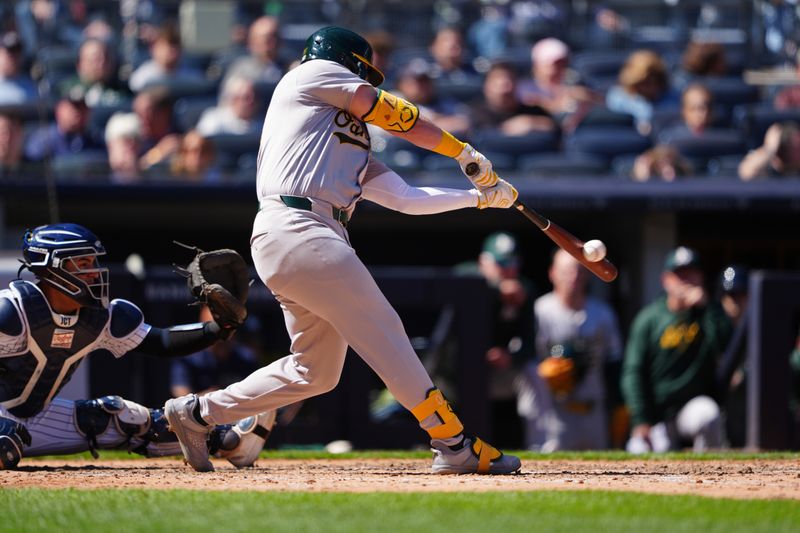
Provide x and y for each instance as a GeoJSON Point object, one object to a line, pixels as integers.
{"type": "Point", "coordinates": [472, 457]}
{"type": "Point", "coordinates": [249, 436]}
{"type": "Point", "coordinates": [192, 435]}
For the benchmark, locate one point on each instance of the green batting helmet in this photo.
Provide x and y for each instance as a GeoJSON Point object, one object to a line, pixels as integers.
{"type": "Point", "coordinates": [346, 48]}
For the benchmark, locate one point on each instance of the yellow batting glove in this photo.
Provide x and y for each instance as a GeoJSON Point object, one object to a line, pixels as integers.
{"type": "Point", "coordinates": [484, 176]}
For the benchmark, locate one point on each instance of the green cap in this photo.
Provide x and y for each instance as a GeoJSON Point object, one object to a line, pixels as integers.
{"type": "Point", "coordinates": [502, 247]}
{"type": "Point", "coordinates": [681, 257]}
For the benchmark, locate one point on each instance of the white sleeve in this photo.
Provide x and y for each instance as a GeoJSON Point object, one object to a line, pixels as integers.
{"type": "Point", "coordinates": [390, 190]}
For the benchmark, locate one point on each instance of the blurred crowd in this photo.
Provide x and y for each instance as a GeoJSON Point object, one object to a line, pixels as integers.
{"type": "Point", "coordinates": [113, 92]}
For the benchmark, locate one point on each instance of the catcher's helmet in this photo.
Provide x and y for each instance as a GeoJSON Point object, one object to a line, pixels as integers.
{"type": "Point", "coordinates": [346, 48]}
{"type": "Point", "coordinates": [52, 253]}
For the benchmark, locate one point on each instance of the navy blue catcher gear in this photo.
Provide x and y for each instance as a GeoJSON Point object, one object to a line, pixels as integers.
{"type": "Point", "coordinates": [65, 257]}
{"type": "Point", "coordinates": [346, 48]}
{"type": "Point", "coordinates": [12, 436]}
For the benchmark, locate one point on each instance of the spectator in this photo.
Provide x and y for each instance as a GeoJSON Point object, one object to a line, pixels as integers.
{"type": "Point", "coordinates": [501, 108]}
{"type": "Point", "coordinates": [11, 143]}
{"type": "Point", "coordinates": [697, 116]}
{"type": "Point", "coordinates": [449, 57]}
{"type": "Point", "coordinates": [668, 376]}
{"type": "Point", "coordinates": [382, 44]}
{"type": "Point", "coordinates": [778, 156]}
{"type": "Point", "coordinates": [165, 63]}
{"type": "Point", "coordinates": [159, 138]}
{"type": "Point", "coordinates": [123, 139]}
{"type": "Point", "coordinates": [643, 86]}
{"type": "Point", "coordinates": [195, 160]}
{"type": "Point", "coordinates": [262, 64]}
{"type": "Point", "coordinates": [789, 97]}
{"type": "Point", "coordinates": [584, 329]}
{"type": "Point", "coordinates": [704, 59]}
{"type": "Point", "coordinates": [96, 75]}
{"type": "Point", "coordinates": [70, 133]}
{"type": "Point", "coordinates": [16, 87]}
{"type": "Point", "coordinates": [549, 88]}
{"type": "Point", "coordinates": [214, 368]}
{"type": "Point", "coordinates": [416, 85]}
{"type": "Point", "coordinates": [238, 110]}
{"type": "Point", "coordinates": [734, 297]}
{"type": "Point", "coordinates": [660, 162]}
{"type": "Point", "coordinates": [512, 331]}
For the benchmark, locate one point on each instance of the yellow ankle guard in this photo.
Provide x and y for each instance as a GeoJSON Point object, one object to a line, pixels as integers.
{"type": "Point", "coordinates": [436, 404]}
{"type": "Point", "coordinates": [392, 113]}
{"type": "Point", "coordinates": [486, 453]}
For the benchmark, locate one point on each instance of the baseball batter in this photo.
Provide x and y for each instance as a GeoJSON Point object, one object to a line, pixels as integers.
{"type": "Point", "coordinates": [314, 165]}
{"type": "Point", "coordinates": [48, 327]}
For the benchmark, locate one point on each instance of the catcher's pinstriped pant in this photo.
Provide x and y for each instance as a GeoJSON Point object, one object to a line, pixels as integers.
{"type": "Point", "coordinates": [53, 432]}
{"type": "Point", "coordinates": [329, 301]}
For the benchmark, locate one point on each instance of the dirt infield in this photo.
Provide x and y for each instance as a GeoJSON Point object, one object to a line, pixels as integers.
{"type": "Point", "coordinates": [752, 479]}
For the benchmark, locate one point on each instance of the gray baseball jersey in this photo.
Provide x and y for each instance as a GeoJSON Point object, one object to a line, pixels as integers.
{"type": "Point", "coordinates": [312, 147]}
{"type": "Point", "coordinates": [577, 421]}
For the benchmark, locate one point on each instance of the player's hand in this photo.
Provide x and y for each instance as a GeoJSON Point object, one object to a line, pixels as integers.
{"type": "Point", "coordinates": [484, 177]}
{"type": "Point", "coordinates": [501, 195]}
{"type": "Point", "coordinates": [641, 431]}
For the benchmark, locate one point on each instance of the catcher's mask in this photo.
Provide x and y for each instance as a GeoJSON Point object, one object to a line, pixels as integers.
{"type": "Point", "coordinates": [346, 48]}
{"type": "Point", "coordinates": [65, 257]}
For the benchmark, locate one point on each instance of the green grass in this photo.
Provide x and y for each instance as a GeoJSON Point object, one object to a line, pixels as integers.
{"type": "Point", "coordinates": [612, 455]}
{"type": "Point", "coordinates": [154, 511]}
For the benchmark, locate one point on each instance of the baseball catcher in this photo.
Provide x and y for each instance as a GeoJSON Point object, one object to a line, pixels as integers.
{"type": "Point", "coordinates": [47, 327]}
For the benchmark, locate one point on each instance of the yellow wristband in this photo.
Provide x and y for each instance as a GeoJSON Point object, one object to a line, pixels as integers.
{"type": "Point", "coordinates": [449, 145]}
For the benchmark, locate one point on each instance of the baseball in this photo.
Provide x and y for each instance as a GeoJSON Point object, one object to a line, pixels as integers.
{"type": "Point", "coordinates": [594, 250]}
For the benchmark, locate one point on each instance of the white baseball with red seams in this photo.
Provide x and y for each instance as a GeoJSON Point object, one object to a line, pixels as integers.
{"type": "Point", "coordinates": [594, 250]}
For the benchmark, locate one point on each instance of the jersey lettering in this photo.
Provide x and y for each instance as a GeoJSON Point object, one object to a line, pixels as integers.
{"type": "Point", "coordinates": [355, 132]}
{"type": "Point", "coordinates": [679, 336]}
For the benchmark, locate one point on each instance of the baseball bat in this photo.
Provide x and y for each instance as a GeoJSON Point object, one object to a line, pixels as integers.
{"type": "Point", "coordinates": [603, 269]}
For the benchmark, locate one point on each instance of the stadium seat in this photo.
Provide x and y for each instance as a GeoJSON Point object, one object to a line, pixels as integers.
{"type": "Point", "coordinates": [755, 120]}
{"type": "Point", "coordinates": [187, 110]}
{"type": "Point", "coordinates": [88, 166]}
{"type": "Point", "coordinates": [711, 143]}
{"type": "Point", "coordinates": [230, 148]}
{"type": "Point", "coordinates": [558, 164]}
{"type": "Point", "coordinates": [607, 142]}
{"type": "Point", "coordinates": [601, 116]}
{"type": "Point", "coordinates": [726, 166]}
{"type": "Point", "coordinates": [179, 88]}
{"type": "Point", "coordinates": [728, 90]}
{"type": "Point", "coordinates": [516, 145]}
{"type": "Point", "coordinates": [99, 115]}
{"type": "Point", "coordinates": [463, 91]}
{"type": "Point", "coordinates": [599, 69]}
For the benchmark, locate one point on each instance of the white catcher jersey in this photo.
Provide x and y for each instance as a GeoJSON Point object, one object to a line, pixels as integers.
{"type": "Point", "coordinates": [311, 146]}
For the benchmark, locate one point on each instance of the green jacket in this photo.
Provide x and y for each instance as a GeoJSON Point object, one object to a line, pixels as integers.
{"type": "Point", "coordinates": [671, 358]}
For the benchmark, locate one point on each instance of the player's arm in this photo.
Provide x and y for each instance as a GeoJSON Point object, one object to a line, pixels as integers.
{"type": "Point", "coordinates": [177, 341]}
{"type": "Point", "coordinates": [385, 187]}
{"type": "Point", "coordinates": [401, 118]}
{"type": "Point", "coordinates": [634, 382]}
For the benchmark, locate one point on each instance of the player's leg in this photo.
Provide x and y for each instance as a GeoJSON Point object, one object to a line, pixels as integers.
{"type": "Point", "coordinates": [700, 421]}
{"type": "Point", "coordinates": [313, 368]}
{"type": "Point", "coordinates": [66, 427]}
{"type": "Point", "coordinates": [354, 305]}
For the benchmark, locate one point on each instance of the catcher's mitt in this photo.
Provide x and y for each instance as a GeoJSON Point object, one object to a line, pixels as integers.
{"type": "Point", "coordinates": [220, 279]}
{"type": "Point", "coordinates": [559, 373]}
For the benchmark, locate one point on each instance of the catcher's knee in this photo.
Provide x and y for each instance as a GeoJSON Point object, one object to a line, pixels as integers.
{"type": "Point", "coordinates": [93, 418]}
{"type": "Point", "coordinates": [13, 436]}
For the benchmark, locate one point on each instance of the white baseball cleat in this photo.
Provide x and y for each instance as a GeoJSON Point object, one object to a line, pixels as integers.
{"type": "Point", "coordinates": [192, 435]}
{"type": "Point", "coordinates": [252, 432]}
{"type": "Point", "coordinates": [473, 457]}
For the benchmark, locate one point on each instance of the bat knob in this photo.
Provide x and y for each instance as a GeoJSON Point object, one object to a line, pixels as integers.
{"type": "Point", "coordinates": [471, 169]}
